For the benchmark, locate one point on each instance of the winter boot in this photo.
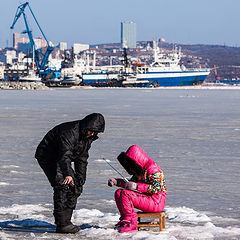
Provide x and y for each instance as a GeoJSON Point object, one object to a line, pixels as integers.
{"type": "Point", "coordinates": [119, 224]}
{"type": "Point", "coordinates": [120, 221]}
{"type": "Point", "coordinates": [63, 222]}
{"type": "Point", "coordinates": [128, 226]}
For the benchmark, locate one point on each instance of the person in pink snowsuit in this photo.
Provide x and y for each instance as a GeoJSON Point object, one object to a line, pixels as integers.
{"type": "Point", "coordinates": [146, 190]}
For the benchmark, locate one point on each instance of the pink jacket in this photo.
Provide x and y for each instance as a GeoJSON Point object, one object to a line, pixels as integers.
{"type": "Point", "coordinates": [153, 183]}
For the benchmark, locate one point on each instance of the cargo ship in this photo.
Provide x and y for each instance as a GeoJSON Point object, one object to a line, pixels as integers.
{"type": "Point", "coordinates": [166, 71]}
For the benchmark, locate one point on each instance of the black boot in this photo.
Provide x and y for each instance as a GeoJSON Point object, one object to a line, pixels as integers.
{"type": "Point", "coordinates": [63, 222]}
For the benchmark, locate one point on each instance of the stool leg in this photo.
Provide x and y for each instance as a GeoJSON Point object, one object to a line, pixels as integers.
{"type": "Point", "coordinates": [163, 221]}
{"type": "Point", "coordinates": [139, 219]}
{"type": "Point", "coordinates": [160, 223]}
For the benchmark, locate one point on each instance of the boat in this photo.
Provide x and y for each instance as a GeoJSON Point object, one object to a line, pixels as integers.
{"type": "Point", "coordinates": [70, 80]}
{"type": "Point", "coordinates": [166, 70]}
{"type": "Point", "coordinates": [71, 70]}
{"type": "Point", "coordinates": [130, 80]}
{"type": "Point", "coordinates": [102, 74]}
{"type": "Point", "coordinates": [31, 77]}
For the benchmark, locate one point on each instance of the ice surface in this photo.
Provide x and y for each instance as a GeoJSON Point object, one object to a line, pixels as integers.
{"type": "Point", "coordinates": [192, 133]}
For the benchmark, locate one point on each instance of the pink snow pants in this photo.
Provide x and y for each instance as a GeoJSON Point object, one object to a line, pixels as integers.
{"type": "Point", "coordinates": [127, 200]}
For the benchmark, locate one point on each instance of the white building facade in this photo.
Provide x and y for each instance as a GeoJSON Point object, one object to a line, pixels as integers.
{"type": "Point", "coordinates": [128, 34]}
{"type": "Point", "coordinates": [78, 47]}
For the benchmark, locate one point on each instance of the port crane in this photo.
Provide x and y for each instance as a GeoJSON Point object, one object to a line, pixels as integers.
{"type": "Point", "coordinates": [41, 59]}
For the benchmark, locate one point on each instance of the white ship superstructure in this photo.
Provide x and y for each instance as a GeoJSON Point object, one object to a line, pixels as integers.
{"type": "Point", "coordinates": [167, 71]}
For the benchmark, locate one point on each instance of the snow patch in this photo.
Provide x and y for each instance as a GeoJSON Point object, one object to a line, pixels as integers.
{"type": "Point", "coordinates": [102, 160]}
{"type": "Point", "coordinates": [207, 231]}
{"type": "Point", "coordinates": [4, 236]}
{"type": "Point", "coordinates": [4, 184]}
{"type": "Point", "coordinates": [24, 211]}
{"type": "Point", "coordinates": [110, 202]}
{"type": "Point", "coordinates": [94, 216]}
{"type": "Point", "coordinates": [186, 215]}
{"type": "Point", "coordinates": [9, 166]}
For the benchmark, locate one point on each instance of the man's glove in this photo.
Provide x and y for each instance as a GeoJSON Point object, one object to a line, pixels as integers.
{"type": "Point", "coordinates": [131, 185]}
{"type": "Point", "coordinates": [112, 182]}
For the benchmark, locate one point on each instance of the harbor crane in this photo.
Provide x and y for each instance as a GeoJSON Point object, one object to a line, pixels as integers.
{"type": "Point", "coordinates": [41, 59]}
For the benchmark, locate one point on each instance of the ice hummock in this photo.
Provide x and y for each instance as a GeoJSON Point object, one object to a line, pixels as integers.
{"type": "Point", "coordinates": [36, 221]}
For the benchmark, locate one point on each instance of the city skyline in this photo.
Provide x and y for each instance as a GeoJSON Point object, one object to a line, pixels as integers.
{"type": "Point", "coordinates": [96, 22]}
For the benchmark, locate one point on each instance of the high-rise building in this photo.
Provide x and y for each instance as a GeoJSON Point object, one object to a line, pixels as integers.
{"type": "Point", "coordinates": [128, 34]}
{"type": "Point", "coordinates": [21, 41]}
{"type": "Point", "coordinates": [17, 38]}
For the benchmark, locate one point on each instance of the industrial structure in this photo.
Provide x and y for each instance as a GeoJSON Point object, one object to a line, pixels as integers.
{"type": "Point", "coordinates": [41, 59]}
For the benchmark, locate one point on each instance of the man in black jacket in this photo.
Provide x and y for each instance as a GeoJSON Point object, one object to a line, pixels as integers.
{"type": "Point", "coordinates": [66, 143]}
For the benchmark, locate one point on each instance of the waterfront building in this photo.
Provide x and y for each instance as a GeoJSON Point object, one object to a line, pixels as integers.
{"type": "Point", "coordinates": [62, 46]}
{"type": "Point", "coordinates": [128, 34]}
{"type": "Point", "coordinates": [9, 56]}
{"type": "Point", "coordinates": [2, 67]}
{"type": "Point", "coordinates": [78, 47]}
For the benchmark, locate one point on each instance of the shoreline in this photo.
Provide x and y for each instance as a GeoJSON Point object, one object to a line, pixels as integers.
{"type": "Point", "coordinates": [23, 86]}
{"type": "Point", "coordinates": [42, 86]}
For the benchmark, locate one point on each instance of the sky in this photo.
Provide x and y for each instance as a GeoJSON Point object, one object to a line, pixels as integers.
{"type": "Point", "coordinates": [98, 21]}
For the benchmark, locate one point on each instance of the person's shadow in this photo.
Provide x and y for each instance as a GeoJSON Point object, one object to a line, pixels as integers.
{"type": "Point", "coordinates": [27, 225]}
{"type": "Point", "coordinates": [34, 226]}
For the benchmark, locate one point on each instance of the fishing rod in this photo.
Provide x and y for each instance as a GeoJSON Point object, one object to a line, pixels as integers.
{"type": "Point", "coordinates": [115, 170]}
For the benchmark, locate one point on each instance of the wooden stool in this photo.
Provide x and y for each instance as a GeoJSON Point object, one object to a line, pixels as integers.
{"type": "Point", "coordinates": [160, 224]}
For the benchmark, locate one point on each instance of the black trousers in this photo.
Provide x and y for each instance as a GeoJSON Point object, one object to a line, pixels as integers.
{"type": "Point", "coordinates": [64, 195]}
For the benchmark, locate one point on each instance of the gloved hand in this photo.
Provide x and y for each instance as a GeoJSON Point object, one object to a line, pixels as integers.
{"type": "Point", "coordinates": [112, 182]}
{"type": "Point", "coordinates": [131, 185]}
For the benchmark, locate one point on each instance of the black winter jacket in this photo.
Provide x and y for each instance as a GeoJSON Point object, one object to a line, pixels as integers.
{"type": "Point", "coordinates": [66, 143]}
